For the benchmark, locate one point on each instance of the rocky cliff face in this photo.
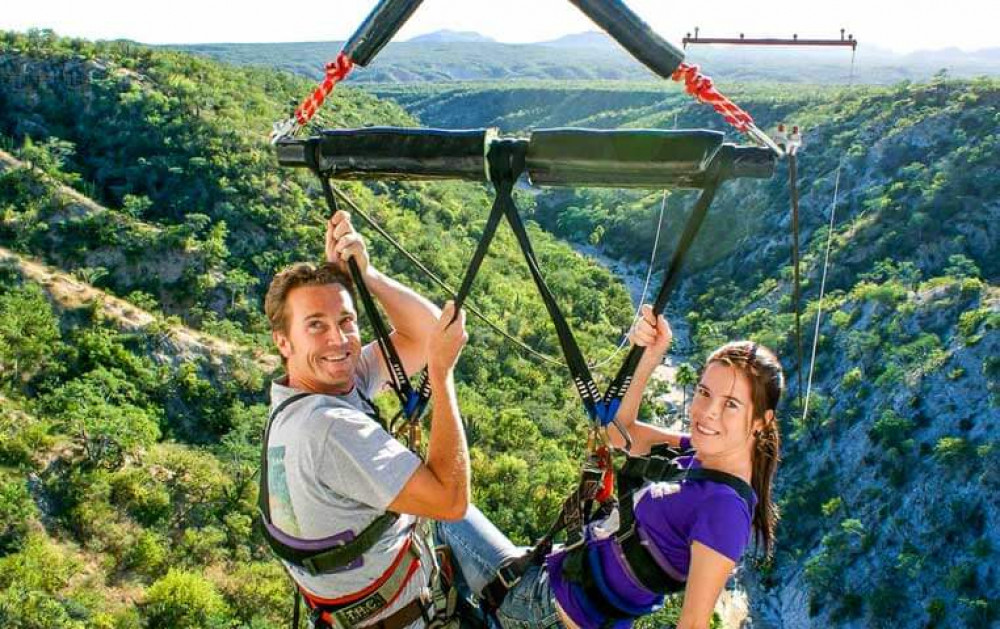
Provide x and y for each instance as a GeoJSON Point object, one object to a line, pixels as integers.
{"type": "Point", "coordinates": [889, 484]}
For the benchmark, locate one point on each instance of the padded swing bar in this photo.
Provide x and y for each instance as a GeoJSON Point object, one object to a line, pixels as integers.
{"type": "Point", "coordinates": [624, 158]}
{"type": "Point", "coordinates": [633, 158]}
{"type": "Point", "coordinates": [639, 158]}
{"type": "Point", "coordinates": [392, 153]}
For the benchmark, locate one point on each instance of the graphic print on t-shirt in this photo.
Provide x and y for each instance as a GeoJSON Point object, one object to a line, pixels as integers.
{"type": "Point", "coordinates": [280, 498]}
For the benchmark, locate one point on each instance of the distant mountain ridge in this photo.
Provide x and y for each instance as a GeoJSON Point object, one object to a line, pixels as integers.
{"type": "Point", "coordinates": [444, 56]}
{"type": "Point", "coordinates": [445, 35]}
{"type": "Point", "coordinates": [588, 39]}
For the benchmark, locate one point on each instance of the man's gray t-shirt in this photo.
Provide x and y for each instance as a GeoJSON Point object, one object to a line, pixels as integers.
{"type": "Point", "coordinates": [332, 470]}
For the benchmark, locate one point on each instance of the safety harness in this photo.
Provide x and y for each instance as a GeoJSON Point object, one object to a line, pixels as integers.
{"type": "Point", "coordinates": [505, 162]}
{"type": "Point", "coordinates": [323, 556]}
{"type": "Point", "coordinates": [357, 153]}
{"type": "Point", "coordinates": [635, 552]}
{"type": "Point", "coordinates": [436, 605]}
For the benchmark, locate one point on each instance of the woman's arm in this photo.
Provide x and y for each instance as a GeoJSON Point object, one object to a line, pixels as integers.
{"type": "Point", "coordinates": [706, 578]}
{"type": "Point", "coordinates": [655, 335]}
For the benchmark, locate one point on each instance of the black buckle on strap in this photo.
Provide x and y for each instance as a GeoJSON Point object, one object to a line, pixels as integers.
{"type": "Point", "coordinates": [310, 566]}
{"type": "Point", "coordinates": [655, 467]}
{"type": "Point", "coordinates": [509, 575]}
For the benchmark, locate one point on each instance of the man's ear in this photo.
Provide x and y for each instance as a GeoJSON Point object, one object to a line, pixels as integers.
{"type": "Point", "coordinates": [284, 345]}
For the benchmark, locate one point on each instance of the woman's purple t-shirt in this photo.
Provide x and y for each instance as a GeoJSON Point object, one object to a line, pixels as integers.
{"type": "Point", "coordinates": [671, 516]}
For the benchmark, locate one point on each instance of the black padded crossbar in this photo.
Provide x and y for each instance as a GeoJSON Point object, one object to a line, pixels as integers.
{"type": "Point", "coordinates": [640, 158]}
{"type": "Point", "coordinates": [746, 162]}
{"type": "Point", "coordinates": [631, 158]}
{"type": "Point", "coordinates": [378, 28]}
{"type": "Point", "coordinates": [392, 153]}
{"type": "Point", "coordinates": [619, 158]}
{"type": "Point", "coordinates": [628, 29]}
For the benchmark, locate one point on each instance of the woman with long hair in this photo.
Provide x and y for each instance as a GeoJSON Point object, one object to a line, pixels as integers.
{"type": "Point", "coordinates": [696, 529]}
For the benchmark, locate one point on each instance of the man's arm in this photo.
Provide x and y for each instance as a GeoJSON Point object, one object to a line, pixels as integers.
{"type": "Point", "coordinates": [655, 335]}
{"type": "Point", "coordinates": [412, 317]}
{"type": "Point", "coordinates": [439, 488]}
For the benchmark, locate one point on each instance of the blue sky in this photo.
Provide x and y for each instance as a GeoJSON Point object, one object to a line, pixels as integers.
{"type": "Point", "coordinates": [893, 24]}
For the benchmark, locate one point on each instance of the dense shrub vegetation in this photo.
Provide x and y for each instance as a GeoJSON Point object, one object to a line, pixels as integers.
{"type": "Point", "coordinates": [127, 458]}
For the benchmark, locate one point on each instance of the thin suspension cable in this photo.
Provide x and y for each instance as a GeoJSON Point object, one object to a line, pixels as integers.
{"type": "Point", "coordinates": [793, 185]}
{"type": "Point", "coordinates": [493, 325]}
{"type": "Point", "coordinates": [645, 286]}
{"type": "Point", "coordinates": [440, 283]}
{"type": "Point", "coordinates": [826, 266]}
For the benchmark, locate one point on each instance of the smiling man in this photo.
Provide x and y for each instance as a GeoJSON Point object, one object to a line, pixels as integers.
{"type": "Point", "coordinates": [333, 472]}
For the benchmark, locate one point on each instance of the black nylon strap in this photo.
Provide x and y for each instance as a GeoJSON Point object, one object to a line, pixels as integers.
{"type": "Point", "coordinates": [400, 382]}
{"type": "Point", "coordinates": [263, 497]}
{"type": "Point", "coordinates": [482, 247]}
{"type": "Point", "coordinates": [645, 568]}
{"type": "Point", "coordinates": [633, 474]}
{"type": "Point", "coordinates": [499, 173]}
{"type": "Point", "coordinates": [577, 571]}
{"type": "Point", "coordinates": [579, 370]}
{"type": "Point", "coordinates": [340, 556]}
{"type": "Point", "coordinates": [737, 484]}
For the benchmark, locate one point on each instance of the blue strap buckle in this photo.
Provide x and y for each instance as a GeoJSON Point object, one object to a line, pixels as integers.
{"type": "Point", "coordinates": [604, 413]}
{"type": "Point", "coordinates": [414, 406]}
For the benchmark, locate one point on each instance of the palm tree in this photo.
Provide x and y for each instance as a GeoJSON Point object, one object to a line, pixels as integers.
{"type": "Point", "coordinates": [686, 376]}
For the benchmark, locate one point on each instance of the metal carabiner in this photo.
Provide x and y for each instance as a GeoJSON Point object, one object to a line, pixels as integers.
{"type": "Point", "coordinates": [284, 129]}
{"type": "Point", "coordinates": [764, 139]}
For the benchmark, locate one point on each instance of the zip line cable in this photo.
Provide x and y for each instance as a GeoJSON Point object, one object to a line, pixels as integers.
{"type": "Point", "coordinates": [826, 265]}
{"type": "Point", "coordinates": [439, 282]}
{"type": "Point", "coordinates": [793, 185]}
{"type": "Point", "coordinates": [645, 286]}
{"type": "Point", "coordinates": [493, 325]}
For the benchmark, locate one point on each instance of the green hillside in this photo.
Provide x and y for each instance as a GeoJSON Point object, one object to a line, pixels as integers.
{"type": "Point", "coordinates": [895, 463]}
{"type": "Point", "coordinates": [129, 437]}
{"type": "Point", "coordinates": [147, 174]}
{"type": "Point", "coordinates": [603, 59]}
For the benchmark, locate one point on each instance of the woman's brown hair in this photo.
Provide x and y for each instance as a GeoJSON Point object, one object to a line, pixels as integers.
{"type": "Point", "coordinates": [767, 382]}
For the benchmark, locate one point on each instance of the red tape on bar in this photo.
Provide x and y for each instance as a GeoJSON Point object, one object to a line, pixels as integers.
{"type": "Point", "coordinates": [336, 71]}
{"type": "Point", "coordinates": [702, 88]}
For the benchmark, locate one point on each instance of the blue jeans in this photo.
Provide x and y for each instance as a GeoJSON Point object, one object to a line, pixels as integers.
{"type": "Point", "coordinates": [479, 548]}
